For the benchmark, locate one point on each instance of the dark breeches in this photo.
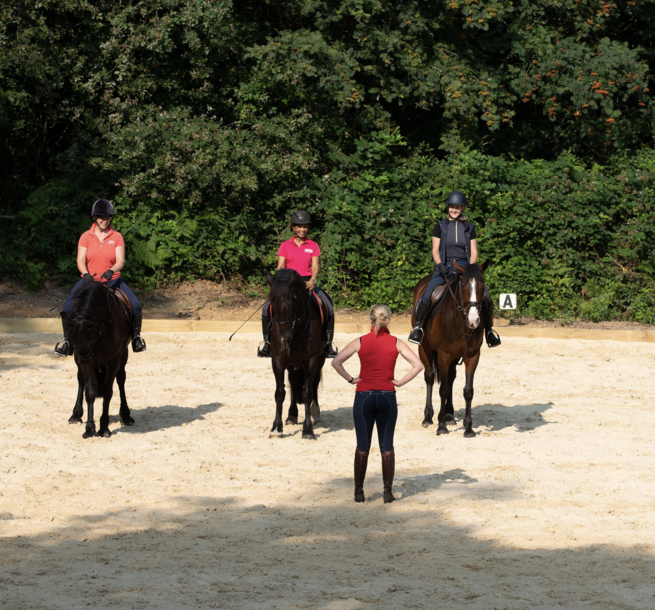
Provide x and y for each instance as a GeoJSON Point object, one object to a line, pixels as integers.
{"type": "Point", "coordinates": [438, 280]}
{"type": "Point", "coordinates": [117, 283]}
{"type": "Point", "coordinates": [375, 407]}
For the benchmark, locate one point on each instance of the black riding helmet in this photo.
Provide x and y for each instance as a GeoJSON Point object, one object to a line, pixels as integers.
{"type": "Point", "coordinates": [103, 207]}
{"type": "Point", "coordinates": [456, 198]}
{"type": "Point", "coordinates": [301, 217]}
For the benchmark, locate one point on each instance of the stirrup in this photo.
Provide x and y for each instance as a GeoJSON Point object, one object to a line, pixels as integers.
{"type": "Point", "coordinates": [138, 344]}
{"type": "Point", "coordinates": [412, 336]}
{"type": "Point", "coordinates": [264, 349]}
{"type": "Point", "coordinates": [493, 340]}
{"type": "Point", "coordinates": [329, 351]}
{"type": "Point", "coordinates": [63, 348]}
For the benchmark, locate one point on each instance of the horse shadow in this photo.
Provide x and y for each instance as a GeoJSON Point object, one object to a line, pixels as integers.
{"type": "Point", "coordinates": [153, 419]}
{"type": "Point", "coordinates": [419, 484]}
{"type": "Point", "coordinates": [496, 417]}
{"type": "Point", "coordinates": [333, 420]}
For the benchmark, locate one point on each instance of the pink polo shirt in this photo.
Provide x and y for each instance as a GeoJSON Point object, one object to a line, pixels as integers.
{"type": "Point", "coordinates": [100, 255]}
{"type": "Point", "coordinates": [299, 258]}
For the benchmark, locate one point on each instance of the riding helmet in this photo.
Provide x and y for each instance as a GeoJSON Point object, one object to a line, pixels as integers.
{"type": "Point", "coordinates": [456, 198]}
{"type": "Point", "coordinates": [301, 217]}
{"type": "Point", "coordinates": [103, 207]}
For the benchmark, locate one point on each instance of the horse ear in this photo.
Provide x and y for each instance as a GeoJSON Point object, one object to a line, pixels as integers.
{"type": "Point", "coordinates": [458, 268]}
{"type": "Point", "coordinates": [269, 279]}
{"type": "Point", "coordinates": [483, 266]}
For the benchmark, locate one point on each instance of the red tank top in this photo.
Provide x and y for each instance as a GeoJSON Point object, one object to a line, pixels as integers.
{"type": "Point", "coordinates": [378, 355]}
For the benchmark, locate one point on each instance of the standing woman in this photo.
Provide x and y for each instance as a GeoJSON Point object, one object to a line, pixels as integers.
{"type": "Point", "coordinates": [302, 255]}
{"type": "Point", "coordinates": [100, 257]}
{"type": "Point", "coordinates": [375, 397]}
{"type": "Point", "coordinates": [453, 240]}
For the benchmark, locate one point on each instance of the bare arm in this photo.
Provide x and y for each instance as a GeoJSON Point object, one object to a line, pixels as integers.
{"type": "Point", "coordinates": [81, 260]}
{"type": "Point", "coordinates": [342, 356]}
{"type": "Point", "coordinates": [417, 366]}
{"type": "Point", "coordinates": [435, 250]}
{"type": "Point", "coordinates": [120, 258]}
{"type": "Point", "coordinates": [474, 251]}
{"type": "Point", "coordinates": [281, 263]}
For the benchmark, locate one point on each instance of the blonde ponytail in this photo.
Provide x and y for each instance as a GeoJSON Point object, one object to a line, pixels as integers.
{"type": "Point", "coordinates": [380, 317]}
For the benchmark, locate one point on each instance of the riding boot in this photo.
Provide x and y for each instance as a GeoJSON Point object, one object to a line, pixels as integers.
{"type": "Point", "coordinates": [329, 351]}
{"type": "Point", "coordinates": [264, 351]}
{"type": "Point", "coordinates": [416, 336]}
{"type": "Point", "coordinates": [138, 343]}
{"type": "Point", "coordinates": [493, 340]}
{"type": "Point", "coordinates": [388, 469]}
{"type": "Point", "coordinates": [361, 461]}
{"type": "Point", "coordinates": [63, 348]}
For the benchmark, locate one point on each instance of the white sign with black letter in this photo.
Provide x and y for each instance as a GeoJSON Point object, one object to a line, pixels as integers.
{"type": "Point", "coordinates": [507, 301]}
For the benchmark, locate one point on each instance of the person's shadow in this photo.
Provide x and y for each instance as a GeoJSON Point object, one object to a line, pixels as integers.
{"type": "Point", "coordinates": [151, 419]}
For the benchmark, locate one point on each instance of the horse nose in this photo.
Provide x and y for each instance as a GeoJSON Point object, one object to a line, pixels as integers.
{"type": "Point", "coordinates": [474, 318]}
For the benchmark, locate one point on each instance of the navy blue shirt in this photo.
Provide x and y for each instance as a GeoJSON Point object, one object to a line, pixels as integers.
{"type": "Point", "coordinates": [455, 239]}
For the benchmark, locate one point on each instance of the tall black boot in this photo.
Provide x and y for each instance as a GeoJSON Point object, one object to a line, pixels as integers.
{"type": "Point", "coordinates": [493, 340]}
{"type": "Point", "coordinates": [361, 461]}
{"type": "Point", "coordinates": [330, 351]}
{"type": "Point", "coordinates": [138, 344]}
{"type": "Point", "coordinates": [416, 336]}
{"type": "Point", "coordinates": [388, 470]}
{"type": "Point", "coordinates": [264, 351]}
{"type": "Point", "coordinates": [63, 348]}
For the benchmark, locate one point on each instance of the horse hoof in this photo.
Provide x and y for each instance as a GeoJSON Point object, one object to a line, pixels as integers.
{"type": "Point", "coordinates": [104, 433]}
{"type": "Point", "coordinates": [451, 422]}
{"type": "Point", "coordinates": [309, 437]}
{"type": "Point", "coordinates": [441, 431]}
{"type": "Point", "coordinates": [427, 423]}
{"type": "Point", "coordinates": [469, 434]}
{"type": "Point", "coordinates": [74, 420]}
{"type": "Point", "coordinates": [293, 421]}
{"type": "Point", "coordinates": [128, 421]}
{"type": "Point", "coordinates": [89, 434]}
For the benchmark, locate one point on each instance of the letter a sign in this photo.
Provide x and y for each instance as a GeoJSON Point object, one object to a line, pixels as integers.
{"type": "Point", "coordinates": [507, 301]}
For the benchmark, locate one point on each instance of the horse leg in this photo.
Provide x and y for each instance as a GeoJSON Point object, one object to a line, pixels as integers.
{"type": "Point", "coordinates": [78, 409]}
{"type": "Point", "coordinates": [315, 407]}
{"type": "Point", "coordinates": [308, 396]}
{"type": "Point", "coordinates": [428, 374]}
{"type": "Point", "coordinates": [296, 387]}
{"type": "Point", "coordinates": [90, 391]}
{"type": "Point", "coordinates": [107, 393]}
{"type": "Point", "coordinates": [124, 412]}
{"type": "Point", "coordinates": [444, 360]}
{"type": "Point", "coordinates": [280, 393]}
{"type": "Point", "coordinates": [471, 365]}
{"type": "Point", "coordinates": [450, 410]}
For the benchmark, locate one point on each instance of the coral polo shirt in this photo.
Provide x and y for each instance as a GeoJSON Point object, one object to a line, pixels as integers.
{"type": "Point", "coordinates": [299, 258]}
{"type": "Point", "coordinates": [100, 255]}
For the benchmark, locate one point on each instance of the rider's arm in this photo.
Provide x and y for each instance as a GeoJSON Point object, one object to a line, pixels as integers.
{"type": "Point", "coordinates": [81, 260]}
{"type": "Point", "coordinates": [311, 282]}
{"type": "Point", "coordinates": [435, 250]}
{"type": "Point", "coordinates": [342, 356]}
{"type": "Point", "coordinates": [120, 259]}
{"type": "Point", "coordinates": [474, 251]}
{"type": "Point", "coordinates": [417, 366]}
{"type": "Point", "coordinates": [281, 263]}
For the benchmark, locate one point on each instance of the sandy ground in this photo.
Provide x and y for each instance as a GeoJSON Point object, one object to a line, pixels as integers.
{"type": "Point", "coordinates": [551, 505]}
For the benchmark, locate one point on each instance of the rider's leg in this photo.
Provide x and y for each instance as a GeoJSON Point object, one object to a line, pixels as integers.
{"type": "Point", "coordinates": [493, 340]}
{"type": "Point", "coordinates": [138, 343]}
{"type": "Point", "coordinates": [265, 350]}
{"type": "Point", "coordinates": [423, 306]}
{"type": "Point", "coordinates": [63, 347]}
{"type": "Point", "coordinates": [329, 351]}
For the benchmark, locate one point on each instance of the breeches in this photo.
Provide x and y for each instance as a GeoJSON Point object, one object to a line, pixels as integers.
{"type": "Point", "coordinates": [375, 407]}
{"type": "Point", "coordinates": [117, 283]}
{"type": "Point", "coordinates": [438, 279]}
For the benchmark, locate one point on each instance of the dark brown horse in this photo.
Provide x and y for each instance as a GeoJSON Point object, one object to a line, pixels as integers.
{"type": "Point", "coordinates": [297, 341]}
{"type": "Point", "coordinates": [99, 332]}
{"type": "Point", "coordinates": [454, 332]}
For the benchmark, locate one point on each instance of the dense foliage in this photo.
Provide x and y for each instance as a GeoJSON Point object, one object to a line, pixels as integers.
{"type": "Point", "coordinates": [208, 121]}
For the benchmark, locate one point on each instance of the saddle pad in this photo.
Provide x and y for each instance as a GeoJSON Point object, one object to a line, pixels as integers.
{"type": "Point", "coordinates": [320, 303]}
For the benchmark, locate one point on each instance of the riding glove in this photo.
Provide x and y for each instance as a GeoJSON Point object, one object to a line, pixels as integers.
{"type": "Point", "coordinates": [107, 275]}
{"type": "Point", "coordinates": [87, 277]}
{"type": "Point", "coordinates": [442, 269]}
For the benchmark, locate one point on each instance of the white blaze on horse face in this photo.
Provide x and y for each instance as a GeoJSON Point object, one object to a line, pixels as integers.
{"type": "Point", "coordinates": [474, 314]}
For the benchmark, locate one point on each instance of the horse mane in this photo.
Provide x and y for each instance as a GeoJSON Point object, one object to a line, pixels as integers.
{"type": "Point", "coordinates": [90, 300]}
{"type": "Point", "coordinates": [472, 272]}
{"type": "Point", "coordinates": [283, 281]}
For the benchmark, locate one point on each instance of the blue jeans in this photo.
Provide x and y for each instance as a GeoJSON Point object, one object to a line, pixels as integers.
{"type": "Point", "coordinates": [438, 279]}
{"type": "Point", "coordinates": [377, 407]}
{"type": "Point", "coordinates": [117, 283]}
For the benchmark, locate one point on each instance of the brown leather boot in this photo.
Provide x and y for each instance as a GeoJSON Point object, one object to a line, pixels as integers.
{"type": "Point", "coordinates": [388, 469]}
{"type": "Point", "coordinates": [361, 461]}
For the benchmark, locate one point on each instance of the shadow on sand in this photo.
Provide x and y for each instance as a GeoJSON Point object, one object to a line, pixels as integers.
{"type": "Point", "coordinates": [151, 419]}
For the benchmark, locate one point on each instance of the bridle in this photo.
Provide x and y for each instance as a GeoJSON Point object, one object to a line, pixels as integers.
{"type": "Point", "coordinates": [98, 338]}
{"type": "Point", "coordinates": [296, 317]}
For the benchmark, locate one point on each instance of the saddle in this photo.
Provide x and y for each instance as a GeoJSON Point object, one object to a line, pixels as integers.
{"type": "Point", "coordinates": [323, 307]}
{"type": "Point", "coordinates": [122, 297]}
{"type": "Point", "coordinates": [437, 296]}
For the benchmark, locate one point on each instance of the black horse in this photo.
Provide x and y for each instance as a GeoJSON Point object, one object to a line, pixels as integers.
{"type": "Point", "coordinates": [297, 341]}
{"type": "Point", "coordinates": [99, 332]}
{"type": "Point", "coordinates": [453, 332]}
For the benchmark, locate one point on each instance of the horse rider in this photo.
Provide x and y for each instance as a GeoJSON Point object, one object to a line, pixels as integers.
{"type": "Point", "coordinates": [100, 258]}
{"type": "Point", "coordinates": [302, 255]}
{"type": "Point", "coordinates": [453, 240]}
{"type": "Point", "coordinates": [375, 397]}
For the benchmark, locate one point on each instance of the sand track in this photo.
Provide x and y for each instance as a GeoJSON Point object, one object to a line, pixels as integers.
{"type": "Point", "coordinates": [194, 507]}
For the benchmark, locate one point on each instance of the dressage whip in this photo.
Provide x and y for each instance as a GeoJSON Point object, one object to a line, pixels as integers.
{"type": "Point", "coordinates": [248, 318]}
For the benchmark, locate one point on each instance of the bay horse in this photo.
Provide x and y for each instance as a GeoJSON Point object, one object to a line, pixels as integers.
{"type": "Point", "coordinates": [99, 331]}
{"type": "Point", "coordinates": [297, 340]}
{"type": "Point", "coordinates": [453, 331]}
